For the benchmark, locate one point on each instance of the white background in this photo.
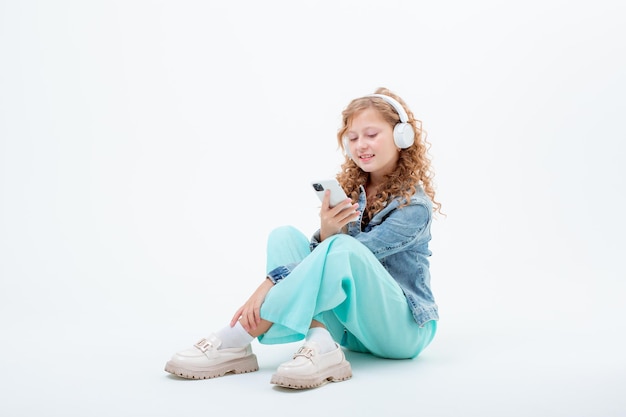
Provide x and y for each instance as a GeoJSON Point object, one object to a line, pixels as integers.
{"type": "Point", "coordinates": [148, 147]}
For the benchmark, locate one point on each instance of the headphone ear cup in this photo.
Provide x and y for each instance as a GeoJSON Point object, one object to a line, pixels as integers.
{"type": "Point", "coordinates": [403, 135]}
{"type": "Point", "coordinates": [346, 148]}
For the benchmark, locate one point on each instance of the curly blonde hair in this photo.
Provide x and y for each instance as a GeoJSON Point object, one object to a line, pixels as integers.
{"type": "Point", "coordinates": [414, 165]}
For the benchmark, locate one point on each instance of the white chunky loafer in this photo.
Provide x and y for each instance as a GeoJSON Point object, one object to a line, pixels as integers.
{"type": "Point", "coordinates": [311, 369]}
{"type": "Point", "coordinates": [204, 360]}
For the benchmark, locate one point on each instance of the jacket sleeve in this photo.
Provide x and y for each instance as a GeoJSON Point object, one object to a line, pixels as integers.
{"type": "Point", "coordinates": [315, 240]}
{"type": "Point", "coordinates": [281, 272]}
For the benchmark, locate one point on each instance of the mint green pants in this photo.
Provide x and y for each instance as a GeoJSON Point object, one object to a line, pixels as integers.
{"type": "Point", "coordinates": [344, 286]}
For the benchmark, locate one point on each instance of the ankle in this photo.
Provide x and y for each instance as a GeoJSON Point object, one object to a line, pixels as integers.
{"type": "Point", "coordinates": [322, 337]}
{"type": "Point", "coordinates": [234, 337]}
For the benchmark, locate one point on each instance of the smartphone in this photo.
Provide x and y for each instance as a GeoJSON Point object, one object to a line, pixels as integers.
{"type": "Point", "coordinates": [337, 195]}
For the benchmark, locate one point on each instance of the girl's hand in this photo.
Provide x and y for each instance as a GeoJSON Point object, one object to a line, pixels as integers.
{"type": "Point", "coordinates": [333, 219]}
{"type": "Point", "coordinates": [249, 314]}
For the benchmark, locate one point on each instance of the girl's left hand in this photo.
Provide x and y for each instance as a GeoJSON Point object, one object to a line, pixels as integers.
{"type": "Point", "coordinates": [333, 219]}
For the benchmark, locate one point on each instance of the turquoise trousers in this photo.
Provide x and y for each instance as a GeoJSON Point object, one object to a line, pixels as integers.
{"type": "Point", "coordinates": [342, 285]}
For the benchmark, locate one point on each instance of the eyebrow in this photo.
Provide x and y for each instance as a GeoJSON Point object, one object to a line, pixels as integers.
{"type": "Point", "coordinates": [365, 128]}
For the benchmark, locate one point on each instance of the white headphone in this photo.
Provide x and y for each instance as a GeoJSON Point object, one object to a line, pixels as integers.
{"type": "Point", "coordinates": [403, 133]}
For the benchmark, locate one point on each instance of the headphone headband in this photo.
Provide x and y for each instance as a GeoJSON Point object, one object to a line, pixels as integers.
{"type": "Point", "coordinates": [395, 104]}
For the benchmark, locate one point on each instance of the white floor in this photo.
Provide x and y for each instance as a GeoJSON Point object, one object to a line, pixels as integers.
{"type": "Point", "coordinates": [90, 358]}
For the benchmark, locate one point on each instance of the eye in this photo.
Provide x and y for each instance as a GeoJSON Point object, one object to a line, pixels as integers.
{"type": "Point", "coordinates": [372, 135]}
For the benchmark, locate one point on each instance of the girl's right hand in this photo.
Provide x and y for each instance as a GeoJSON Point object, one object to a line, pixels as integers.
{"type": "Point", "coordinates": [249, 314]}
{"type": "Point", "coordinates": [333, 219]}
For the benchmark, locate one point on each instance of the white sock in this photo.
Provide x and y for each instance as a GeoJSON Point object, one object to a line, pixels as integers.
{"type": "Point", "coordinates": [322, 337]}
{"type": "Point", "coordinates": [234, 337]}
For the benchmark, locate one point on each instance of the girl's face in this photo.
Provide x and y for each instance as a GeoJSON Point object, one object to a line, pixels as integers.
{"type": "Point", "coordinates": [370, 142]}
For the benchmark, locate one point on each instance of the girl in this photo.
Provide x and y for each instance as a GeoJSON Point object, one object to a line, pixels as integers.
{"type": "Point", "coordinates": [361, 282]}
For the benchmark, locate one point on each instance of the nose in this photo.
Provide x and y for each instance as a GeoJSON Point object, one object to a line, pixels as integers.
{"type": "Point", "coordinates": [359, 143]}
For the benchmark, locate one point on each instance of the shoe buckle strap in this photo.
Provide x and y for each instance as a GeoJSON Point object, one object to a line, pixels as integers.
{"type": "Point", "coordinates": [305, 351]}
{"type": "Point", "coordinates": [203, 345]}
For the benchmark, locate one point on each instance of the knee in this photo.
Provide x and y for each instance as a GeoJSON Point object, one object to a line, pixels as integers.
{"type": "Point", "coordinates": [338, 240]}
{"type": "Point", "coordinates": [342, 242]}
{"type": "Point", "coordinates": [285, 233]}
{"type": "Point", "coordinates": [283, 230]}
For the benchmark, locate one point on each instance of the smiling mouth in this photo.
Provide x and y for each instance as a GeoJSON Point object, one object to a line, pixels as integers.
{"type": "Point", "coordinates": [367, 156]}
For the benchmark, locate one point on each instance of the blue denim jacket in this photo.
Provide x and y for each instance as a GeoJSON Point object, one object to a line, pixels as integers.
{"type": "Point", "coordinates": [398, 237]}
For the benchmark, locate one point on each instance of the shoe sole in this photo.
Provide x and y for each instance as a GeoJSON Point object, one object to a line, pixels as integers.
{"type": "Point", "coordinates": [341, 372]}
{"type": "Point", "coordinates": [236, 366]}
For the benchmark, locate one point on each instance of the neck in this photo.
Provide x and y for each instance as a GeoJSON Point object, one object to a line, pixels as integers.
{"type": "Point", "coordinates": [375, 181]}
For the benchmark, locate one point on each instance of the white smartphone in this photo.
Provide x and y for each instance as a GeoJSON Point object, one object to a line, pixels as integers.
{"type": "Point", "coordinates": [337, 195]}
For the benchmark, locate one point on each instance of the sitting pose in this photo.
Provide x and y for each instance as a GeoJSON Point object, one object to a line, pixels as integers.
{"type": "Point", "coordinates": [361, 282]}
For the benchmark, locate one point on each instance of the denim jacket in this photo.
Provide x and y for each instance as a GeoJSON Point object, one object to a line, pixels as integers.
{"type": "Point", "coordinates": [398, 237]}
